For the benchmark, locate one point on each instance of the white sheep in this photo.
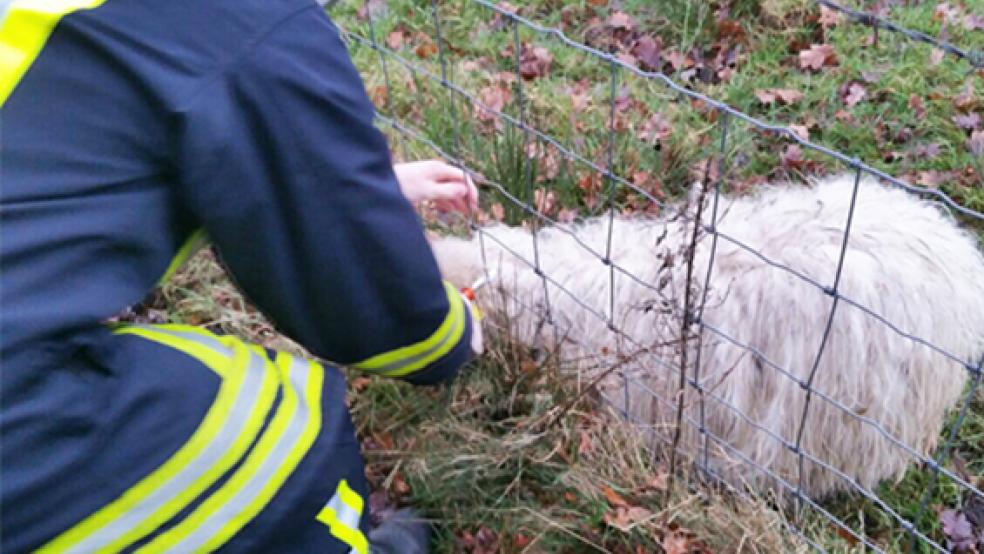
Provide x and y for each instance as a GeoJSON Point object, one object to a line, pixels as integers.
{"type": "Point", "coordinates": [906, 261]}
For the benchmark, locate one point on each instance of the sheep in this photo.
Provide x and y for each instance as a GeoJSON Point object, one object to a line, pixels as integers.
{"type": "Point", "coordinates": [873, 389]}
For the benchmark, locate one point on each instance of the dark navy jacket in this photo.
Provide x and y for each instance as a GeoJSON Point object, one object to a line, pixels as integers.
{"type": "Point", "coordinates": [142, 121]}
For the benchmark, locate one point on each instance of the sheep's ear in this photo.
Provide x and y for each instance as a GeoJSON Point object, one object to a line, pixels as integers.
{"type": "Point", "coordinates": [460, 260]}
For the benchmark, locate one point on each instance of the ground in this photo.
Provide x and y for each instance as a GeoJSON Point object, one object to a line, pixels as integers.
{"type": "Point", "coordinates": [512, 457]}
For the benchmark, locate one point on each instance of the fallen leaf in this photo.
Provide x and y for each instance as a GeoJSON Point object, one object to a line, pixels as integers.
{"type": "Point", "coordinates": [975, 144]}
{"type": "Point", "coordinates": [521, 541]}
{"type": "Point", "coordinates": [966, 99]}
{"type": "Point", "coordinates": [647, 51]}
{"type": "Point", "coordinates": [599, 3]}
{"type": "Point", "coordinates": [959, 533]}
{"type": "Point", "coordinates": [613, 498]}
{"type": "Point", "coordinates": [659, 481]}
{"type": "Point", "coordinates": [945, 12]}
{"type": "Point", "coordinates": [931, 179]}
{"type": "Point", "coordinates": [545, 201]}
{"type": "Point", "coordinates": [927, 151]}
{"type": "Point", "coordinates": [621, 20]}
{"type": "Point", "coordinates": [675, 543]}
{"type": "Point", "coordinates": [844, 116]}
{"type": "Point", "coordinates": [792, 156]}
{"type": "Point", "coordinates": [936, 57]}
{"type": "Point", "coordinates": [916, 105]}
{"type": "Point", "coordinates": [784, 95]}
{"type": "Point", "coordinates": [493, 99]}
{"type": "Point", "coordinates": [969, 121]}
{"type": "Point", "coordinates": [828, 17]}
{"type": "Point", "coordinates": [570, 497]}
{"type": "Point", "coordinates": [817, 56]}
{"type": "Point", "coordinates": [426, 49]}
{"type": "Point", "coordinates": [534, 61]}
{"type": "Point", "coordinates": [801, 131]}
{"type": "Point", "coordinates": [852, 93]}
{"type": "Point", "coordinates": [371, 8]}
{"type": "Point", "coordinates": [678, 60]}
{"type": "Point", "coordinates": [395, 40]}
{"type": "Point", "coordinates": [973, 22]}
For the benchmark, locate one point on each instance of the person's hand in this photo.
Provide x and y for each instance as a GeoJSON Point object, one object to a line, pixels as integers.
{"type": "Point", "coordinates": [448, 187]}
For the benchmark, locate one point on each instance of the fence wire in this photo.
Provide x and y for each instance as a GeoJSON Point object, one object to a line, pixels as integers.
{"type": "Point", "coordinates": [459, 98]}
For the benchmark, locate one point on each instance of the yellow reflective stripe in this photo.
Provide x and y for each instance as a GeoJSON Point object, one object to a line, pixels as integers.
{"type": "Point", "coordinates": [287, 439]}
{"type": "Point", "coordinates": [342, 514]}
{"type": "Point", "coordinates": [407, 359]}
{"type": "Point", "coordinates": [23, 33]}
{"type": "Point", "coordinates": [170, 335]}
{"type": "Point", "coordinates": [230, 426]}
{"type": "Point", "coordinates": [193, 244]}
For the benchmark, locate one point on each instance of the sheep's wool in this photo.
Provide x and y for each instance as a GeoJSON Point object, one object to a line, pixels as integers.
{"type": "Point", "coordinates": [876, 396]}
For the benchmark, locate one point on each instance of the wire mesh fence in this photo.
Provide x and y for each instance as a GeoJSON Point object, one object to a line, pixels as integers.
{"type": "Point", "coordinates": [513, 132]}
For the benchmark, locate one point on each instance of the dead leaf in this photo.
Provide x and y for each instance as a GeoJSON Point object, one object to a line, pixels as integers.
{"type": "Point", "coordinates": [965, 100]}
{"type": "Point", "coordinates": [969, 121]}
{"type": "Point", "coordinates": [647, 51]}
{"type": "Point", "coordinates": [973, 22]}
{"type": "Point", "coordinates": [945, 12]}
{"type": "Point", "coordinates": [657, 128]}
{"type": "Point", "coordinates": [792, 156]}
{"type": "Point", "coordinates": [659, 481]}
{"type": "Point", "coordinates": [371, 8]}
{"type": "Point", "coordinates": [675, 543]}
{"type": "Point", "coordinates": [521, 541]}
{"type": "Point", "coordinates": [801, 131]}
{"type": "Point", "coordinates": [621, 20]}
{"type": "Point", "coordinates": [599, 3]}
{"type": "Point", "coordinates": [784, 95]}
{"type": "Point", "coordinates": [534, 62]}
{"type": "Point", "coordinates": [916, 105]}
{"type": "Point", "coordinates": [936, 57]}
{"type": "Point", "coordinates": [613, 497]}
{"type": "Point", "coordinates": [545, 201]}
{"type": "Point", "coordinates": [570, 497]}
{"type": "Point", "coordinates": [828, 17]}
{"type": "Point", "coordinates": [931, 179]}
{"type": "Point", "coordinates": [959, 533]}
{"type": "Point", "coordinates": [975, 144]}
{"type": "Point", "coordinates": [493, 99]}
{"type": "Point", "coordinates": [678, 60]}
{"type": "Point", "coordinates": [395, 40]}
{"type": "Point", "coordinates": [585, 445]}
{"type": "Point", "coordinates": [817, 56]}
{"type": "Point", "coordinates": [844, 116]}
{"type": "Point", "coordinates": [927, 151]}
{"type": "Point", "coordinates": [852, 93]}
{"type": "Point", "coordinates": [426, 49]}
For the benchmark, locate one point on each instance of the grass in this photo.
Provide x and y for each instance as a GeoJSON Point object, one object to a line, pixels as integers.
{"type": "Point", "coordinates": [477, 457]}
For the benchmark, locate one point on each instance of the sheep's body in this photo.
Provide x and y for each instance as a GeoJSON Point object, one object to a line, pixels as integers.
{"type": "Point", "coordinates": [906, 261]}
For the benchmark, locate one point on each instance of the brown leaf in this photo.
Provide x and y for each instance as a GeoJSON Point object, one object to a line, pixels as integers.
{"type": "Point", "coordinates": [801, 131]}
{"type": "Point", "coordinates": [395, 40]}
{"type": "Point", "coordinates": [817, 56]}
{"type": "Point", "coordinates": [974, 22]}
{"type": "Point", "coordinates": [931, 179]}
{"type": "Point", "coordinates": [792, 156]}
{"type": "Point", "coordinates": [521, 541]}
{"type": "Point", "coordinates": [844, 116]}
{"type": "Point", "coordinates": [828, 17]}
{"type": "Point", "coordinates": [675, 543]}
{"type": "Point", "coordinates": [647, 51]}
{"type": "Point", "coordinates": [545, 201]}
{"type": "Point", "coordinates": [968, 121]}
{"type": "Point", "coordinates": [784, 95]}
{"type": "Point", "coordinates": [659, 481]}
{"type": "Point", "coordinates": [958, 531]}
{"type": "Point", "coordinates": [585, 445]}
{"type": "Point", "coordinates": [534, 61]}
{"type": "Point", "coordinates": [599, 3]}
{"type": "Point", "coordinates": [916, 105]}
{"type": "Point", "coordinates": [570, 497]}
{"type": "Point", "coordinates": [927, 151]}
{"type": "Point", "coordinates": [965, 100]}
{"type": "Point", "coordinates": [975, 144]}
{"type": "Point", "coordinates": [426, 49]}
{"type": "Point", "coordinates": [621, 20]}
{"type": "Point", "coordinates": [936, 57]}
{"type": "Point", "coordinates": [613, 497]}
{"type": "Point", "coordinates": [852, 93]}
{"type": "Point", "coordinates": [493, 99]}
{"type": "Point", "coordinates": [374, 8]}
{"type": "Point", "coordinates": [678, 60]}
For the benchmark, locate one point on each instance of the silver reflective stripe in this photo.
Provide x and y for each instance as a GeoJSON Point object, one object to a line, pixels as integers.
{"type": "Point", "coordinates": [237, 419]}
{"type": "Point", "coordinates": [399, 364]}
{"type": "Point", "coordinates": [299, 371]}
{"type": "Point", "coordinates": [344, 513]}
{"type": "Point", "coordinates": [4, 6]}
{"type": "Point", "coordinates": [206, 341]}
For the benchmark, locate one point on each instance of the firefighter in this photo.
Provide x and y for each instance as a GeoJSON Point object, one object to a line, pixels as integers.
{"type": "Point", "coordinates": [131, 129]}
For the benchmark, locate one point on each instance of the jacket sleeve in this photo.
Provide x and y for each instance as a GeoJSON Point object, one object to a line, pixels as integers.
{"type": "Point", "coordinates": [279, 160]}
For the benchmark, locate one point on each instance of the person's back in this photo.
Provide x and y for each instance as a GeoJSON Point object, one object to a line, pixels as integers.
{"type": "Point", "coordinates": [130, 130]}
